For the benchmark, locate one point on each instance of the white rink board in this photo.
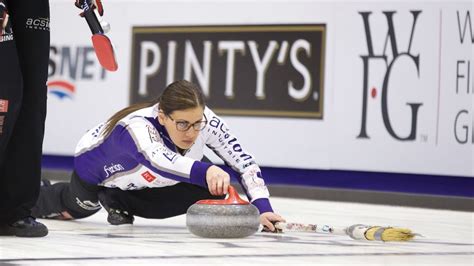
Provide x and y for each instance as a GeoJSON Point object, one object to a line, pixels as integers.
{"type": "Point", "coordinates": [442, 145]}
{"type": "Point", "coordinates": [448, 240]}
{"type": "Point", "coordinates": [431, 84]}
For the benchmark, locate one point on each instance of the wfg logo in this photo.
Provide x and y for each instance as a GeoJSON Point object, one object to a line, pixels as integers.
{"type": "Point", "coordinates": [397, 52]}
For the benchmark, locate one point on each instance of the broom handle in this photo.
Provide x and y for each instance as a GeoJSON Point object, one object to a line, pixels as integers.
{"type": "Point", "coordinates": [299, 227]}
{"type": "Point", "coordinates": [356, 231]}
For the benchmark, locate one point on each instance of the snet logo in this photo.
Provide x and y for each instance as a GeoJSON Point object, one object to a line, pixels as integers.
{"type": "Point", "coordinates": [70, 65]}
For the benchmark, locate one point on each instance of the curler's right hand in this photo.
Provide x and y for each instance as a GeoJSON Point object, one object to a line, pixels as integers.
{"type": "Point", "coordinates": [217, 181]}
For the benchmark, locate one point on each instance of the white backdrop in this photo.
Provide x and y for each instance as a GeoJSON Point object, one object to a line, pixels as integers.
{"type": "Point", "coordinates": [427, 57]}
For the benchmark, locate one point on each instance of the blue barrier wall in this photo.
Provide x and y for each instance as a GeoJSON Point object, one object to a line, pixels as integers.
{"type": "Point", "coordinates": [357, 180]}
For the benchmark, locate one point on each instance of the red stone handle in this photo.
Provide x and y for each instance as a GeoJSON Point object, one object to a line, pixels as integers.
{"type": "Point", "coordinates": [232, 199]}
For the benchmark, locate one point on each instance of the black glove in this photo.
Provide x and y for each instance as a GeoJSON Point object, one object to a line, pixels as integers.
{"type": "Point", "coordinates": [87, 4]}
{"type": "Point", "coordinates": [3, 16]}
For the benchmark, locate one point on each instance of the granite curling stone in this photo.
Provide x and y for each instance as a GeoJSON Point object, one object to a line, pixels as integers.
{"type": "Point", "coordinates": [229, 218]}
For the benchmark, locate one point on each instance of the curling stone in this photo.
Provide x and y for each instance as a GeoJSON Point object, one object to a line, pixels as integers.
{"type": "Point", "coordinates": [228, 218]}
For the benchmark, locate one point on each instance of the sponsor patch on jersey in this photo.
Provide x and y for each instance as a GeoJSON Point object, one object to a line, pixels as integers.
{"type": "Point", "coordinates": [148, 176]}
{"type": "Point", "coordinates": [3, 106]}
{"type": "Point", "coordinates": [153, 133]}
{"type": "Point", "coordinates": [2, 121]}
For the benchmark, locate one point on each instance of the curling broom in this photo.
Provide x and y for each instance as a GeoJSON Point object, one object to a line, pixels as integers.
{"type": "Point", "coordinates": [356, 231]}
{"type": "Point", "coordinates": [102, 45]}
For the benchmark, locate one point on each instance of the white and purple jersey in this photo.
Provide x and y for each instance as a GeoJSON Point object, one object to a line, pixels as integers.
{"type": "Point", "coordinates": [139, 153]}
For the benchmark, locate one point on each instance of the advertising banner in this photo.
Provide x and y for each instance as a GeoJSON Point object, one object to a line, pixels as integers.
{"type": "Point", "coordinates": [381, 86]}
{"type": "Point", "coordinates": [235, 66]}
{"type": "Point", "coordinates": [405, 101]}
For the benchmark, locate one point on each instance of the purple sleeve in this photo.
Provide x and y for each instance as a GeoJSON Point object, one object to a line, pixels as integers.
{"type": "Point", "coordinates": [198, 173]}
{"type": "Point", "coordinates": [263, 205]}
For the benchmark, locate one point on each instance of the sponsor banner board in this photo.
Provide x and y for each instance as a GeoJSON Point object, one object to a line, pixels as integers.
{"type": "Point", "coordinates": [354, 85]}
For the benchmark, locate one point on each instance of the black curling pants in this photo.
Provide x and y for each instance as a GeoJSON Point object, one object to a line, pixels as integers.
{"type": "Point", "coordinates": [157, 203]}
{"type": "Point", "coordinates": [24, 55]}
{"type": "Point", "coordinates": [80, 199]}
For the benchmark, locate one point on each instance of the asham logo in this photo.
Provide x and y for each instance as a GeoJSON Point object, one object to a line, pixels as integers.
{"type": "Point", "coordinates": [88, 205]}
{"type": "Point", "coordinates": [390, 57]}
{"type": "Point", "coordinates": [69, 66]}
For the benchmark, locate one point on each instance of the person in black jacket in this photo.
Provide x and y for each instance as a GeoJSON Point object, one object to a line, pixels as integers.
{"type": "Point", "coordinates": [24, 55]}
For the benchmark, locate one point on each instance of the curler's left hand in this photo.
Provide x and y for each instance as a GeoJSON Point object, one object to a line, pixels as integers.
{"type": "Point", "coordinates": [268, 219]}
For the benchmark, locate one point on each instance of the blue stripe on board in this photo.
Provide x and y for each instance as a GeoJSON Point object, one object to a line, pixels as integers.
{"type": "Point", "coordinates": [376, 181]}
{"type": "Point", "coordinates": [57, 162]}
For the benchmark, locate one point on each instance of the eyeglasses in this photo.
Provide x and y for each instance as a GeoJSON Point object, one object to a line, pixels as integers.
{"type": "Point", "coordinates": [185, 125]}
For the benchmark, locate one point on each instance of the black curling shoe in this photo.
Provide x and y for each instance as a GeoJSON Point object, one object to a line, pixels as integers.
{"type": "Point", "coordinates": [118, 217]}
{"type": "Point", "coordinates": [26, 227]}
